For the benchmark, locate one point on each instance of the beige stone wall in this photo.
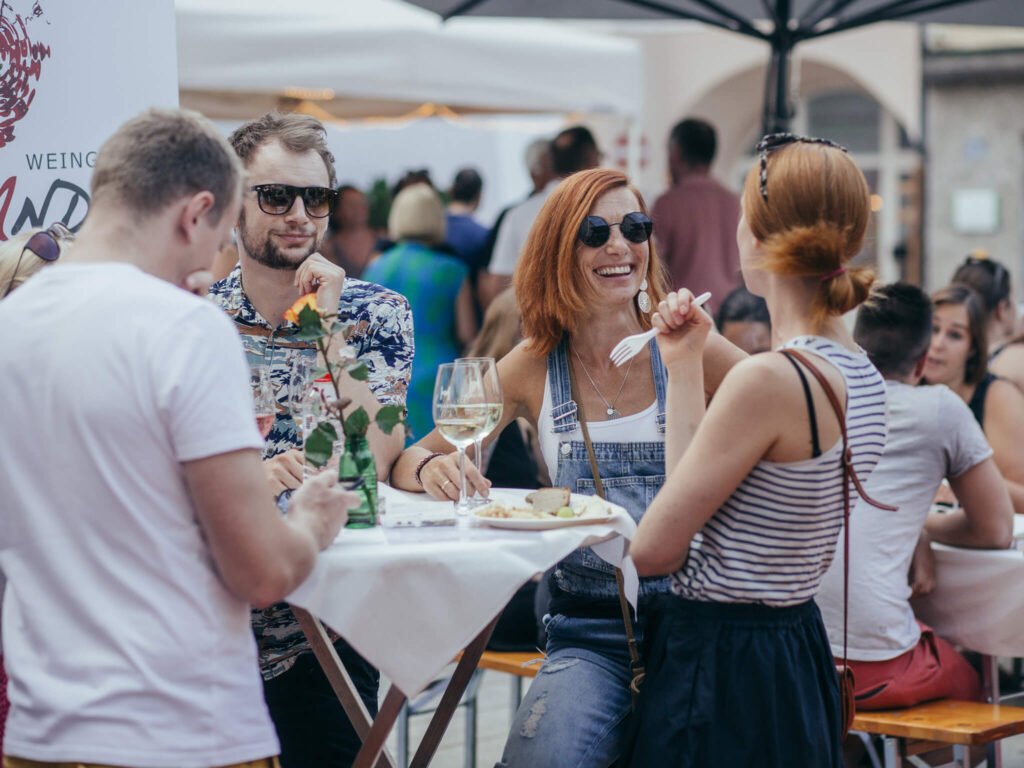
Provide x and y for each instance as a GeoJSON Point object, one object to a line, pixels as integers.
{"type": "Point", "coordinates": [974, 128]}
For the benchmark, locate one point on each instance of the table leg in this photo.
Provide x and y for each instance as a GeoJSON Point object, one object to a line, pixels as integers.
{"type": "Point", "coordinates": [342, 684]}
{"type": "Point", "coordinates": [452, 695]}
{"type": "Point", "coordinates": [372, 752]}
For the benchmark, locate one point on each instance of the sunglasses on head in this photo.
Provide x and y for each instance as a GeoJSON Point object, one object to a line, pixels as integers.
{"type": "Point", "coordinates": [635, 227]}
{"type": "Point", "coordinates": [775, 141]}
{"type": "Point", "coordinates": [43, 245]}
{"type": "Point", "coordinates": [278, 199]}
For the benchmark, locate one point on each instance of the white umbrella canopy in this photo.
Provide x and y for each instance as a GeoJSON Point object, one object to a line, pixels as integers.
{"type": "Point", "coordinates": [780, 23]}
{"type": "Point", "coordinates": [385, 52]}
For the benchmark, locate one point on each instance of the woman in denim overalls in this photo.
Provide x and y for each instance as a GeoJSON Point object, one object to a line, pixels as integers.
{"type": "Point", "coordinates": [587, 278]}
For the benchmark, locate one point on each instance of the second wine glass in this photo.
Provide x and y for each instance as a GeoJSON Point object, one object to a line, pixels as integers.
{"type": "Point", "coordinates": [494, 406]}
{"type": "Point", "coordinates": [460, 414]}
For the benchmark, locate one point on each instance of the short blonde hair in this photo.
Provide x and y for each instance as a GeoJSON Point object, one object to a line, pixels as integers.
{"type": "Point", "coordinates": [11, 254]}
{"type": "Point", "coordinates": [417, 214]}
{"type": "Point", "coordinates": [162, 155]}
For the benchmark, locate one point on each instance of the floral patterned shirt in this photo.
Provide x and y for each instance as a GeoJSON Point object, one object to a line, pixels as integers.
{"type": "Point", "coordinates": [382, 337]}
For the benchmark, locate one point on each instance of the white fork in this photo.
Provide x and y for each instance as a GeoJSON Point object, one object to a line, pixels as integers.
{"type": "Point", "coordinates": [630, 346]}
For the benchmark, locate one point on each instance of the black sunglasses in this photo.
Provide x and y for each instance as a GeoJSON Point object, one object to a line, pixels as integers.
{"type": "Point", "coordinates": [635, 227]}
{"type": "Point", "coordinates": [278, 199]}
{"type": "Point", "coordinates": [775, 141]}
{"type": "Point", "coordinates": [44, 245]}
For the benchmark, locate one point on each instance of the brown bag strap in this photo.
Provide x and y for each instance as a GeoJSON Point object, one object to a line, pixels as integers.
{"type": "Point", "coordinates": [849, 475]}
{"type": "Point", "coordinates": [635, 664]}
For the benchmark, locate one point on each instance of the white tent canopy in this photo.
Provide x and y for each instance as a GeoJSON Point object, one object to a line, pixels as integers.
{"type": "Point", "coordinates": [387, 51]}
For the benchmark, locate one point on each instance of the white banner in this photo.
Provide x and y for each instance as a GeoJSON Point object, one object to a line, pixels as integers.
{"type": "Point", "coordinates": [71, 71]}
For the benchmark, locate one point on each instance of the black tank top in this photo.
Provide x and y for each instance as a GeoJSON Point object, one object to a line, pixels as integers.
{"type": "Point", "coordinates": [977, 404]}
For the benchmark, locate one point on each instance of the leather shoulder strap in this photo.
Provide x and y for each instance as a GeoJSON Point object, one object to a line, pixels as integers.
{"type": "Point", "coordinates": [635, 662]}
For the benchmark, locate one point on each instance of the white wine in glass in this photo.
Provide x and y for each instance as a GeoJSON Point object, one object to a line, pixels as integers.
{"type": "Point", "coordinates": [460, 414]}
{"type": "Point", "coordinates": [494, 404]}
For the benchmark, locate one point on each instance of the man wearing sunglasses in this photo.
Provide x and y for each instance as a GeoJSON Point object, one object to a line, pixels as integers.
{"type": "Point", "coordinates": [698, 216]}
{"type": "Point", "coordinates": [286, 205]}
{"type": "Point", "coordinates": [136, 528]}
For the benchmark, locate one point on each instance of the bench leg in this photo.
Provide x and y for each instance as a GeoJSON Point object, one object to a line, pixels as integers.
{"type": "Point", "coordinates": [515, 694]}
{"type": "Point", "coordinates": [403, 736]}
{"type": "Point", "coordinates": [993, 755]}
{"type": "Point", "coordinates": [990, 689]}
{"type": "Point", "coordinates": [892, 749]}
{"type": "Point", "coordinates": [469, 759]}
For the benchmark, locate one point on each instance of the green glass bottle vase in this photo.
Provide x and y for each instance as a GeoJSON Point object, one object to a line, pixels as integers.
{"type": "Point", "coordinates": [357, 461]}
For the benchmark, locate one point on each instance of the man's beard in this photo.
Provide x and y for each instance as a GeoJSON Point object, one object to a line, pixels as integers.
{"type": "Point", "coordinates": [268, 254]}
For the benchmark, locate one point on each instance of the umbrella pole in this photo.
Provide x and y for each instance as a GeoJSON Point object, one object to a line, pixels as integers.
{"type": "Point", "coordinates": [778, 112]}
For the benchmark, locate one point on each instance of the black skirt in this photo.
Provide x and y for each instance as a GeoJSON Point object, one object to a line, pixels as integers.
{"type": "Point", "coordinates": [737, 685]}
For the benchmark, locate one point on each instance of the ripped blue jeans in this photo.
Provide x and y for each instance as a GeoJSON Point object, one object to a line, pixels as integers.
{"type": "Point", "coordinates": [576, 713]}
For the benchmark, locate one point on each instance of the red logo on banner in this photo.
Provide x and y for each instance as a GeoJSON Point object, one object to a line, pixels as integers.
{"type": "Point", "coordinates": [20, 66]}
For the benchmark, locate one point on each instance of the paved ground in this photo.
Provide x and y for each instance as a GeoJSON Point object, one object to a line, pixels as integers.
{"type": "Point", "coordinates": [493, 722]}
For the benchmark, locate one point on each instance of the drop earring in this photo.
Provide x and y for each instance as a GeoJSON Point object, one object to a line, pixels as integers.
{"type": "Point", "coordinates": [643, 301]}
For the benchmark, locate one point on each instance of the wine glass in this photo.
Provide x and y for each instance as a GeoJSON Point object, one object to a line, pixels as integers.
{"type": "Point", "coordinates": [460, 414]}
{"type": "Point", "coordinates": [262, 399]}
{"type": "Point", "coordinates": [300, 390]}
{"type": "Point", "coordinates": [495, 404]}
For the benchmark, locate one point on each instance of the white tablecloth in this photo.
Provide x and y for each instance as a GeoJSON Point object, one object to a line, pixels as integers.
{"type": "Point", "coordinates": [978, 600]}
{"type": "Point", "coordinates": [408, 599]}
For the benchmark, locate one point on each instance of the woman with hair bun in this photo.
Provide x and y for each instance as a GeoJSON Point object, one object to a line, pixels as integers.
{"type": "Point", "coordinates": [739, 667]}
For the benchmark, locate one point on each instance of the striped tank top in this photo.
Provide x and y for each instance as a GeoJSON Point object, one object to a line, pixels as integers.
{"type": "Point", "coordinates": [774, 537]}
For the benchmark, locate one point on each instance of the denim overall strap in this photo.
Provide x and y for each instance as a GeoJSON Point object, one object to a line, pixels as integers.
{"type": "Point", "coordinates": [563, 407]}
{"type": "Point", "coordinates": [658, 370]}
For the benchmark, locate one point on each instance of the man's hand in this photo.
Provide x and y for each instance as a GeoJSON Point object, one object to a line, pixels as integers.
{"type": "Point", "coordinates": [321, 506]}
{"type": "Point", "coordinates": [284, 471]}
{"type": "Point", "coordinates": [318, 274]}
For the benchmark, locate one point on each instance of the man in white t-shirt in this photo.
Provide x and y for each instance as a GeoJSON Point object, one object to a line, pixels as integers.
{"type": "Point", "coordinates": [897, 660]}
{"type": "Point", "coordinates": [137, 521]}
{"type": "Point", "coordinates": [572, 150]}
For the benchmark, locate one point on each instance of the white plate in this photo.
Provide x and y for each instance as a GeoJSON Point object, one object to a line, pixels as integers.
{"type": "Point", "coordinates": [518, 499]}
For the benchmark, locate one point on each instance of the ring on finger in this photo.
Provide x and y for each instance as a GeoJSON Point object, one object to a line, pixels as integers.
{"type": "Point", "coordinates": [446, 483]}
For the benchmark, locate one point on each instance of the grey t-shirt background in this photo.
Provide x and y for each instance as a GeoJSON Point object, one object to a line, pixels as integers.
{"type": "Point", "coordinates": [932, 435]}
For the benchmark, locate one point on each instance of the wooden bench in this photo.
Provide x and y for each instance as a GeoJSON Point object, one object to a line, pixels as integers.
{"type": "Point", "coordinates": [519, 664]}
{"type": "Point", "coordinates": [938, 724]}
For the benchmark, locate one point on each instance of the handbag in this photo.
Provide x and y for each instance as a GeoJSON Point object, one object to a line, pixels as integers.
{"type": "Point", "coordinates": [636, 666]}
{"type": "Point", "coordinates": [845, 674]}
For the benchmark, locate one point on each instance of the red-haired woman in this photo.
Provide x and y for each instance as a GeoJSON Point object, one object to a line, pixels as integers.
{"type": "Point", "coordinates": [740, 671]}
{"type": "Point", "coordinates": [588, 276]}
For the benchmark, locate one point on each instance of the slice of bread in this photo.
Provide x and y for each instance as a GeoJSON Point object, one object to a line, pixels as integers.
{"type": "Point", "coordinates": [549, 500]}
